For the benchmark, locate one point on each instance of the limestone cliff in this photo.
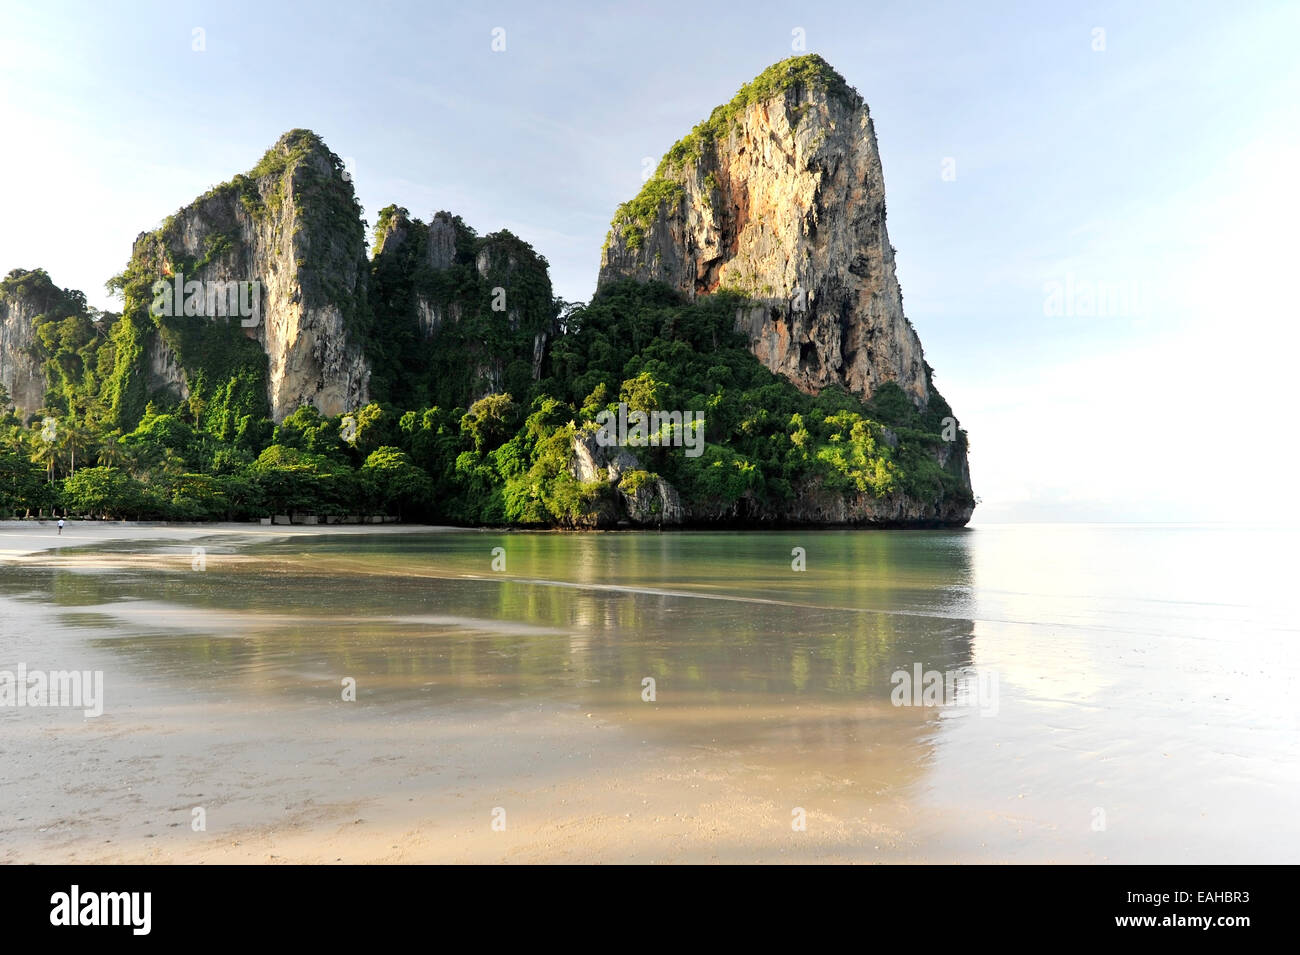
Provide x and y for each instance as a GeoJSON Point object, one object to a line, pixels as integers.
{"type": "Point", "coordinates": [637, 496]}
{"type": "Point", "coordinates": [457, 315]}
{"type": "Point", "coordinates": [25, 297]}
{"type": "Point", "coordinates": [258, 297]}
{"type": "Point", "coordinates": [780, 195]}
{"type": "Point", "coordinates": [291, 225]}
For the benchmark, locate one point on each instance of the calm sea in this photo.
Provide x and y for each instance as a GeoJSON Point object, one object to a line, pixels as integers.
{"type": "Point", "coordinates": [1098, 693]}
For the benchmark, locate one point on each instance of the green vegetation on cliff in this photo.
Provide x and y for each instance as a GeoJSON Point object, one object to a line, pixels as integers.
{"type": "Point", "coordinates": [73, 342]}
{"type": "Point", "coordinates": [507, 457]}
{"type": "Point", "coordinates": [225, 369]}
{"type": "Point", "coordinates": [634, 218]}
{"type": "Point", "coordinates": [482, 382]}
{"type": "Point", "coordinates": [446, 331]}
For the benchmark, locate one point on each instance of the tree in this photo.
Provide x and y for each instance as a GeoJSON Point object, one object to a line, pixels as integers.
{"type": "Point", "coordinates": [307, 430]}
{"type": "Point", "coordinates": [112, 453]}
{"type": "Point", "coordinates": [488, 421]}
{"type": "Point", "coordinates": [376, 426]}
{"type": "Point", "coordinates": [397, 484]}
{"type": "Point", "coordinates": [293, 480]}
{"type": "Point", "coordinates": [45, 450]}
{"type": "Point", "coordinates": [22, 486]}
{"type": "Point", "coordinates": [643, 393]}
{"type": "Point", "coordinates": [106, 492]}
{"type": "Point", "coordinates": [73, 438]}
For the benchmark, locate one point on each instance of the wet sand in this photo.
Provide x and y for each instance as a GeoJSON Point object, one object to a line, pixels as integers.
{"type": "Point", "coordinates": [233, 706]}
{"type": "Point", "coordinates": [353, 783]}
{"type": "Point", "coordinates": [574, 788]}
{"type": "Point", "coordinates": [20, 539]}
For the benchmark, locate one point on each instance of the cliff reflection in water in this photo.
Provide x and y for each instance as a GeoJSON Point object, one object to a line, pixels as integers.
{"type": "Point", "coordinates": [744, 651]}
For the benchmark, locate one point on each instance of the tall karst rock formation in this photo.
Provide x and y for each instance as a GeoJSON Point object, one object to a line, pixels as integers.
{"type": "Point", "coordinates": [292, 224]}
{"type": "Point", "coordinates": [26, 297]}
{"type": "Point", "coordinates": [457, 315]}
{"type": "Point", "coordinates": [779, 195]}
{"type": "Point", "coordinates": [440, 315]}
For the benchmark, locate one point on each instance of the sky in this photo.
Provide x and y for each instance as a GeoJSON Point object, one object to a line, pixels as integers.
{"type": "Point", "coordinates": [1095, 205]}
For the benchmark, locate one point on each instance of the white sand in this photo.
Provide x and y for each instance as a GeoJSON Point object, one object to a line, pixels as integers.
{"type": "Point", "coordinates": [19, 539]}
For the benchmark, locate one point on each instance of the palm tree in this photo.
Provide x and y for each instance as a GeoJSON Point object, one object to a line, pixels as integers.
{"type": "Point", "coordinates": [45, 451]}
{"type": "Point", "coordinates": [112, 453]}
{"type": "Point", "coordinates": [173, 463]}
{"type": "Point", "coordinates": [73, 438]}
{"type": "Point", "coordinates": [140, 459]}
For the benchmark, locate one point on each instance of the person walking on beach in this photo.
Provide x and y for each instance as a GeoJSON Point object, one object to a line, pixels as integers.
{"type": "Point", "coordinates": [60, 527]}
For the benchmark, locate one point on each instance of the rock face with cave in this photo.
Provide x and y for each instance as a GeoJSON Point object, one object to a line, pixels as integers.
{"type": "Point", "coordinates": [779, 195]}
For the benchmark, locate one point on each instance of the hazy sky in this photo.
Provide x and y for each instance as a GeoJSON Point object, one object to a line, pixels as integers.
{"type": "Point", "coordinates": [1030, 162]}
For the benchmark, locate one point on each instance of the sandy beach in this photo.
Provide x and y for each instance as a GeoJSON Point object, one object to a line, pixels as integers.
{"type": "Point", "coordinates": [122, 788]}
{"type": "Point", "coordinates": [352, 783]}
{"type": "Point", "coordinates": [499, 717]}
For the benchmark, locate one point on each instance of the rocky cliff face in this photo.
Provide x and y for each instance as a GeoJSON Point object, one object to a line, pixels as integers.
{"type": "Point", "coordinates": [21, 303]}
{"type": "Point", "coordinates": [780, 195]}
{"type": "Point", "coordinates": [777, 196]}
{"type": "Point", "coordinates": [637, 497]}
{"type": "Point", "coordinates": [292, 226]}
{"type": "Point", "coordinates": [459, 315]}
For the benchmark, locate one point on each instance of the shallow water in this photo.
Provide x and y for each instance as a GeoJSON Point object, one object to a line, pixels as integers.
{"type": "Point", "coordinates": [1119, 693]}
